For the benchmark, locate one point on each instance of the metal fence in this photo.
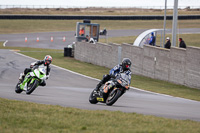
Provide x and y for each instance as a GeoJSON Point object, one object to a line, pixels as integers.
{"type": "Point", "coordinates": [64, 6]}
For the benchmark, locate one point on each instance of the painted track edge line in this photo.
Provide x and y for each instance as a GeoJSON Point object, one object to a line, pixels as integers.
{"type": "Point", "coordinates": [4, 44]}
{"type": "Point", "coordinates": [99, 80]}
{"type": "Point", "coordinates": [60, 67]}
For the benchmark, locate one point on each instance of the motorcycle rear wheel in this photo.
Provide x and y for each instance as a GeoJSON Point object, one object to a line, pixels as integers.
{"type": "Point", "coordinates": [92, 98]}
{"type": "Point", "coordinates": [113, 96]}
{"type": "Point", "coordinates": [32, 87]}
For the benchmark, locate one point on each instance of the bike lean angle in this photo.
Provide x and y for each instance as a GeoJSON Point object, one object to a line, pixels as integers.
{"type": "Point", "coordinates": [31, 80]}
{"type": "Point", "coordinates": [111, 91]}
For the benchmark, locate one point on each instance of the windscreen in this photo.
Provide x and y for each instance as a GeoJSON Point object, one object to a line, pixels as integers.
{"type": "Point", "coordinates": [125, 77]}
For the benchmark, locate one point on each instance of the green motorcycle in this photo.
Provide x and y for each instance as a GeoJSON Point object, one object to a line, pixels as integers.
{"type": "Point", "coordinates": [31, 80]}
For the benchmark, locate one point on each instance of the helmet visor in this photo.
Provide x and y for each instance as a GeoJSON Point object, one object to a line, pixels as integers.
{"type": "Point", "coordinates": [127, 66]}
{"type": "Point", "coordinates": [48, 62]}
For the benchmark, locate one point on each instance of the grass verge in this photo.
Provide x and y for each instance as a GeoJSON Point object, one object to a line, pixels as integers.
{"type": "Point", "coordinates": [89, 70]}
{"type": "Point", "coordinates": [27, 26]}
{"type": "Point", "coordinates": [22, 117]}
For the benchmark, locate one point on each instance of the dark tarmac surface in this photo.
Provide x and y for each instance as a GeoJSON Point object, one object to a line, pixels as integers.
{"type": "Point", "coordinates": [72, 90]}
{"type": "Point", "coordinates": [45, 37]}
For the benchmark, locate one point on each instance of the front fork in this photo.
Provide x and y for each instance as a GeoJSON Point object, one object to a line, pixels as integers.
{"type": "Point", "coordinates": [24, 83]}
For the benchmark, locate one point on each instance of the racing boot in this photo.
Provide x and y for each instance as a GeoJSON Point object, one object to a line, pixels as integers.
{"type": "Point", "coordinates": [21, 76]}
{"type": "Point", "coordinates": [98, 86]}
{"type": "Point", "coordinates": [103, 81]}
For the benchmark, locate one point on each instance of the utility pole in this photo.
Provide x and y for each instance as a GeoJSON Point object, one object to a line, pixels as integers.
{"type": "Point", "coordinates": [174, 26]}
{"type": "Point", "coordinates": [164, 22]}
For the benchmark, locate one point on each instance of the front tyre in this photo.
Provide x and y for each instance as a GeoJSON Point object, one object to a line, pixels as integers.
{"type": "Point", "coordinates": [113, 96]}
{"type": "Point", "coordinates": [17, 88]}
{"type": "Point", "coordinates": [93, 98]}
{"type": "Point", "coordinates": [32, 86]}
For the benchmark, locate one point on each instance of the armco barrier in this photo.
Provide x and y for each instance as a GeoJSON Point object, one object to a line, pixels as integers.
{"type": "Point", "coordinates": [62, 17]}
{"type": "Point", "coordinates": [180, 66]}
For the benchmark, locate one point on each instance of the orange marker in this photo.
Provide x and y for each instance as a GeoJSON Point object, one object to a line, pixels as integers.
{"type": "Point", "coordinates": [38, 39]}
{"type": "Point", "coordinates": [64, 39]}
{"type": "Point", "coordinates": [26, 39]}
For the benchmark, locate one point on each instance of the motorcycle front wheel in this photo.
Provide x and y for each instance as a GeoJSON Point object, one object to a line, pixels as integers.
{"type": "Point", "coordinates": [113, 96]}
{"type": "Point", "coordinates": [17, 88]}
{"type": "Point", "coordinates": [32, 86]}
{"type": "Point", "coordinates": [92, 98]}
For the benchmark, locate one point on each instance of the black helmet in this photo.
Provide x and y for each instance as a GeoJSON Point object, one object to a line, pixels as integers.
{"type": "Point", "coordinates": [126, 64]}
{"type": "Point", "coordinates": [47, 60]}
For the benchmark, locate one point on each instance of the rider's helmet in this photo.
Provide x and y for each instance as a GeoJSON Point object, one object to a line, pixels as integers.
{"type": "Point", "coordinates": [167, 38]}
{"type": "Point", "coordinates": [126, 64]}
{"type": "Point", "coordinates": [47, 60]}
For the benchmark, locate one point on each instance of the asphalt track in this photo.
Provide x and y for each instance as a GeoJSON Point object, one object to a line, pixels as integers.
{"type": "Point", "coordinates": [69, 89]}
{"type": "Point", "coordinates": [45, 37]}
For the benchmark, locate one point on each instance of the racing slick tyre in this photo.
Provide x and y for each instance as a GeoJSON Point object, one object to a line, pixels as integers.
{"type": "Point", "coordinates": [17, 88]}
{"type": "Point", "coordinates": [113, 96]}
{"type": "Point", "coordinates": [93, 98]}
{"type": "Point", "coordinates": [31, 87]}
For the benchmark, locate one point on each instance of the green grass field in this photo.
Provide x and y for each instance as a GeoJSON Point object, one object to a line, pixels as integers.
{"type": "Point", "coordinates": [30, 26]}
{"type": "Point", "coordinates": [25, 117]}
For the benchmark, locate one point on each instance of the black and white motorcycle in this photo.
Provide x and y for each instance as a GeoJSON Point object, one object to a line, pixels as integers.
{"type": "Point", "coordinates": [110, 92]}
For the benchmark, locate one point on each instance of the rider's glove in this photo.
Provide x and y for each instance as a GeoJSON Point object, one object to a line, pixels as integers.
{"type": "Point", "coordinates": [116, 74]}
{"type": "Point", "coordinates": [112, 76]}
{"type": "Point", "coordinates": [127, 87]}
{"type": "Point", "coordinates": [32, 65]}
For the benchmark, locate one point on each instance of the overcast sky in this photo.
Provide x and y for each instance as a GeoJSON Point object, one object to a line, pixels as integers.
{"type": "Point", "coordinates": [101, 3]}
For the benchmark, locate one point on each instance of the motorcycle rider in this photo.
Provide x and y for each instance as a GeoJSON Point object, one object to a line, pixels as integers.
{"type": "Point", "coordinates": [46, 62]}
{"type": "Point", "coordinates": [124, 67]}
